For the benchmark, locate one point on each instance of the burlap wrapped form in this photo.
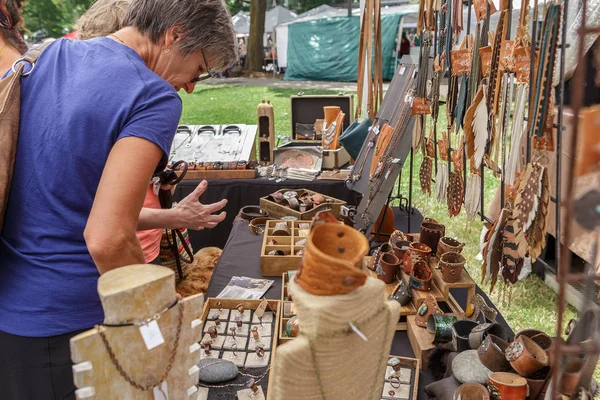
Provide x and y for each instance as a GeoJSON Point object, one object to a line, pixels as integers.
{"type": "Point", "coordinates": [328, 360]}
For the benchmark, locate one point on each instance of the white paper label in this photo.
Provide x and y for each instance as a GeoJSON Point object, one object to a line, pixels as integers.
{"type": "Point", "coordinates": [402, 70]}
{"type": "Point", "coordinates": [262, 307]}
{"type": "Point", "coordinates": [152, 335]}
{"type": "Point", "coordinates": [161, 393]}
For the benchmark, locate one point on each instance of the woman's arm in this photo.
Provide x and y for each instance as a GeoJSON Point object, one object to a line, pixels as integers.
{"type": "Point", "coordinates": [189, 213]}
{"type": "Point", "coordinates": [111, 226]}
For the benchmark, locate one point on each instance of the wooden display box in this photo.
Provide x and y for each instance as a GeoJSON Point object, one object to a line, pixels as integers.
{"type": "Point", "coordinates": [277, 265]}
{"type": "Point", "coordinates": [286, 301]}
{"type": "Point", "coordinates": [421, 341]}
{"type": "Point", "coordinates": [412, 364]}
{"type": "Point", "coordinates": [308, 109]}
{"type": "Point", "coordinates": [278, 211]}
{"type": "Point", "coordinates": [332, 159]}
{"type": "Point", "coordinates": [230, 304]}
{"type": "Point", "coordinates": [466, 282]}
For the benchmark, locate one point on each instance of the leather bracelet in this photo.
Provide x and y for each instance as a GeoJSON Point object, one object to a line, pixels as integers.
{"type": "Point", "coordinates": [281, 229]}
{"type": "Point", "coordinates": [525, 356]}
{"type": "Point", "coordinates": [471, 391]}
{"type": "Point", "coordinates": [249, 213]}
{"type": "Point", "coordinates": [481, 331]}
{"type": "Point", "coordinates": [291, 202]}
{"type": "Point", "coordinates": [460, 334]}
{"type": "Point", "coordinates": [441, 327]}
{"type": "Point", "coordinates": [491, 354]}
{"type": "Point", "coordinates": [255, 225]}
{"type": "Point", "coordinates": [421, 276]}
{"type": "Point", "coordinates": [506, 385]}
{"type": "Point", "coordinates": [401, 294]}
{"type": "Point", "coordinates": [541, 338]}
{"type": "Point", "coordinates": [275, 197]}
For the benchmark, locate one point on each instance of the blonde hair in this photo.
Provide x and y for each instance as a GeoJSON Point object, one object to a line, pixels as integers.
{"type": "Point", "coordinates": [101, 19]}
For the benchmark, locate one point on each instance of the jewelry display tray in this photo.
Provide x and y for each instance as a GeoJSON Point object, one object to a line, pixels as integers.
{"type": "Point", "coordinates": [277, 210]}
{"type": "Point", "coordinates": [277, 265]}
{"type": "Point", "coordinates": [229, 392]}
{"type": "Point", "coordinates": [409, 363]}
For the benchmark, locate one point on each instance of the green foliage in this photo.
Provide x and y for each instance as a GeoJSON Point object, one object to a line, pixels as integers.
{"type": "Point", "coordinates": [236, 6]}
{"type": "Point", "coordinates": [54, 16]}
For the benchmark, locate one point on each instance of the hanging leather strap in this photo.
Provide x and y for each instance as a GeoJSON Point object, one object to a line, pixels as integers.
{"type": "Point", "coordinates": [361, 67]}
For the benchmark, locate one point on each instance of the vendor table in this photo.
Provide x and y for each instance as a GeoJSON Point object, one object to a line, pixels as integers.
{"type": "Point", "coordinates": [244, 192]}
{"type": "Point", "coordinates": [241, 257]}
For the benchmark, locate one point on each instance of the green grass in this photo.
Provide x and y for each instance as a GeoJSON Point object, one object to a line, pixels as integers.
{"type": "Point", "coordinates": [533, 305]}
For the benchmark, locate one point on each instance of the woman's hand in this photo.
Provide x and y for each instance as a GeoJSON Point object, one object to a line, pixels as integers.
{"type": "Point", "coordinates": [194, 215]}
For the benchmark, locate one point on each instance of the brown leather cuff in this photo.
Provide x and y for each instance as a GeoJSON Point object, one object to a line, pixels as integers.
{"type": "Point", "coordinates": [248, 213]}
{"type": "Point", "coordinates": [421, 277]}
{"type": "Point", "coordinates": [257, 225]}
{"type": "Point", "coordinates": [491, 354]}
{"type": "Point", "coordinates": [471, 391]}
{"type": "Point", "coordinates": [525, 356]}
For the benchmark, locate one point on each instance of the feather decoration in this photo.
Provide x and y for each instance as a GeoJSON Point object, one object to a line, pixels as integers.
{"type": "Point", "coordinates": [425, 175]}
{"type": "Point", "coordinates": [461, 103]}
{"type": "Point", "coordinates": [472, 196]}
{"type": "Point", "coordinates": [492, 251]}
{"type": "Point", "coordinates": [441, 182]}
{"type": "Point", "coordinates": [526, 205]}
{"type": "Point", "coordinates": [475, 127]}
{"type": "Point", "coordinates": [512, 261]}
{"type": "Point", "coordinates": [455, 193]}
{"type": "Point", "coordinates": [514, 164]}
{"type": "Point", "coordinates": [418, 132]}
{"type": "Point", "coordinates": [536, 233]}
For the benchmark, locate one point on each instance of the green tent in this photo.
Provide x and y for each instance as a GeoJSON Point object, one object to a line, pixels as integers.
{"type": "Point", "coordinates": [327, 49]}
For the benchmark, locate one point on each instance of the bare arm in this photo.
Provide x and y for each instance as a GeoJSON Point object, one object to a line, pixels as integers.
{"type": "Point", "coordinates": [189, 213]}
{"type": "Point", "coordinates": [111, 226]}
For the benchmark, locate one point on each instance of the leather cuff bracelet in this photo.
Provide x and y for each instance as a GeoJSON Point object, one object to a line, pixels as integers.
{"type": "Point", "coordinates": [441, 327]}
{"type": "Point", "coordinates": [471, 391]}
{"type": "Point", "coordinates": [257, 225]}
{"type": "Point", "coordinates": [491, 354]}
{"type": "Point", "coordinates": [525, 356]}
{"type": "Point", "coordinates": [281, 229]}
{"type": "Point", "coordinates": [481, 331]}
{"type": "Point", "coordinates": [460, 334]}
{"type": "Point", "coordinates": [275, 197]}
{"type": "Point", "coordinates": [401, 294]}
{"type": "Point", "coordinates": [421, 276]}
{"type": "Point", "coordinates": [291, 202]}
{"type": "Point", "coordinates": [506, 385]}
{"type": "Point", "coordinates": [542, 339]}
{"type": "Point", "coordinates": [251, 212]}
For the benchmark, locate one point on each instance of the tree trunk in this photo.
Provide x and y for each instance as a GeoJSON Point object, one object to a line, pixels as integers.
{"type": "Point", "coordinates": [255, 51]}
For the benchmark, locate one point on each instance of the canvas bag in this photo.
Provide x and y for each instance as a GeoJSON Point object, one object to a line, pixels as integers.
{"type": "Point", "coordinates": [10, 114]}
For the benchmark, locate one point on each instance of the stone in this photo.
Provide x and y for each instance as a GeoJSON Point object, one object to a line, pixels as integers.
{"type": "Point", "coordinates": [216, 370]}
{"type": "Point", "coordinates": [467, 368]}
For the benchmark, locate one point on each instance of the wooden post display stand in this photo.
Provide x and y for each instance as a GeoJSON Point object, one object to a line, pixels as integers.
{"type": "Point", "coordinates": [152, 337]}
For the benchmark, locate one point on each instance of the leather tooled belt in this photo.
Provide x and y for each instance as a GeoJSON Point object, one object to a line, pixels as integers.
{"type": "Point", "coordinates": [491, 354]}
{"type": "Point", "coordinates": [526, 356]}
{"type": "Point", "coordinates": [460, 334]}
{"type": "Point", "coordinates": [249, 213]}
{"type": "Point", "coordinates": [481, 331]}
{"type": "Point", "coordinates": [257, 225]}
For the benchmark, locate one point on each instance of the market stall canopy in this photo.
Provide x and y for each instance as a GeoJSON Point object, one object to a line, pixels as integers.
{"type": "Point", "coordinates": [241, 23]}
{"type": "Point", "coordinates": [325, 46]}
{"type": "Point", "coordinates": [317, 10]}
{"type": "Point", "coordinates": [276, 16]}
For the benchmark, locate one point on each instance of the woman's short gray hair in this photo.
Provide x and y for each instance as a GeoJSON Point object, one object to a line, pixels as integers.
{"type": "Point", "coordinates": [101, 19]}
{"type": "Point", "coordinates": [205, 24]}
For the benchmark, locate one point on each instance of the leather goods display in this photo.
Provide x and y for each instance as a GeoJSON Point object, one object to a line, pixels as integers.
{"type": "Point", "coordinates": [507, 386]}
{"type": "Point", "coordinates": [479, 311]}
{"type": "Point", "coordinates": [427, 308]}
{"type": "Point", "coordinates": [431, 233]}
{"type": "Point", "coordinates": [248, 213]}
{"type": "Point", "coordinates": [257, 225]}
{"type": "Point", "coordinates": [441, 327]}
{"type": "Point", "coordinates": [10, 115]}
{"type": "Point", "coordinates": [538, 383]}
{"type": "Point", "coordinates": [471, 391]}
{"type": "Point", "coordinates": [447, 244]}
{"type": "Point", "coordinates": [384, 248]}
{"type": "Point", "coordinates": [400, 248]}
{"type": "Point", "coordinates": [491, 354]}
{"type": "Point", "coordinates": [333, 257]}
{"type": "Point", "coordinates": [416, 251]}
{"type": "Point", "coordinates": [452, 265]}
{"type": "Point", "coordinates": [525, 356]}
{"type": "Point", "coordinates": [481, 331]}
{"type": "Point", "coordinates": [421, 276]}
{"type": "Point", "coordinates": [354, 136]}
{"type": "Point", "coordinates": [460, 334]}
{"type": "Point", "coordinates": [401, 294]}
{"type": "Point", "coordinates": [388, 267]}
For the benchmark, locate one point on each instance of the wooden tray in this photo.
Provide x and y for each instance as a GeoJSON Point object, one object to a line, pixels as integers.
{"type": "Point", "coordinates": [277, 210]}
{"type": "Point", "coordinates": [221, 174]}
{"type": "Point", "coordinates": [274, 305]}
{"type": "Point", "coordinates": [285, 300]}
{"type": "Point", "coordinates": [277, 265]}
{"type": "Point", "coordinates": [414, 365]}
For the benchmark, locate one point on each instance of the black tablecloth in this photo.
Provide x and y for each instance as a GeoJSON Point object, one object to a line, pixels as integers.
{"type": "Point", "coordinates": [241, 257]}
{"type": "Point", "coordinates": [244, 192]}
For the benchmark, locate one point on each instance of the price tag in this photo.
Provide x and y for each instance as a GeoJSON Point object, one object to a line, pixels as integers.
{"type": "Point", "coordinates": [486, 59]}
{"type": "Point", "coordinates": [481, 8]}
{"type": "Point", "coordinates": [262, 307]}
{"type": "Point", "coordinates": [460, 61]}
{"type": "Point", "coordinates": [522, 64]}
{"type": "Point", "coordinates": [420, 106]}
{"type": "Point", "coordinates": [152, 335]}
{"type": "Point", "coordinates": [162, 392]}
